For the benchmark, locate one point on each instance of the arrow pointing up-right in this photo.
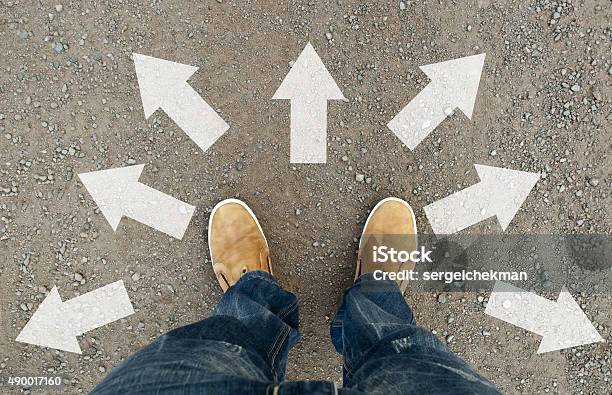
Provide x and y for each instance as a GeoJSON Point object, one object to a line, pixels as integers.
{"type": "Point", "coordinates": [500, 193]}
{"type": "Point", "coordinates": [454, 84]}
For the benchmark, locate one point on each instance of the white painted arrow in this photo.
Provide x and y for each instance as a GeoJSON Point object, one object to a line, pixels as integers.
{"type": "Point", "coordinates": [454, 84]}
{"type": "Point", "coordinates": [309, 86]}
{"type": "Point", "coordinates": [500, 193]}
{"type": "Point", "coordinates": [562, 324]}
{"type": "Point", "coordinates": [118, 193]}
{"type": "Point", "coordinates": [56, 324]}
{"type": "Point", "coordinates": [163, 84]}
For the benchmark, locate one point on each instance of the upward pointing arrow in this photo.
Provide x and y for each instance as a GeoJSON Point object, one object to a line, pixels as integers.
{"type": "Point", "coordinates": [118, 193]}
{"type": "Point", "coordinates": [56, 324]}
{"type": "Point", "coordinates": [500, 193]}
{"type": "Point", "coordinates": [163, 84]}
{"type": "Point", "coordinates": [562, 324]}
{"type": "Point", "coordinates": [454, 84]}
{"type": "Point", "coordinates": [309, 86]}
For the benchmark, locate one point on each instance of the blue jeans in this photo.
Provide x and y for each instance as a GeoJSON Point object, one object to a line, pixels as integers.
{"type": "Point", "coordinates": [242, 349]}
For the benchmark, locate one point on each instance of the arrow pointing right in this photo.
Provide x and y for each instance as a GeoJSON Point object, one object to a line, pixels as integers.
{"type": "Point", "coordinates": [454, 83]}
{"type": "Point", "coordinates": [562, 324]}
{"type": "Point", "coordinates": [500, 193]}
{"type": "Point", "coordinates": [118, 193]}
{"type": "Point", "coordinates": [56, 324]}
{"type": "Point", "coordinates": [309, 86]}
{"type": "Point", "coordinates": [163, 84]}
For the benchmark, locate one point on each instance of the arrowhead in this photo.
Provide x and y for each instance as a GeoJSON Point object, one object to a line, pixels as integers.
{"type": "Point", "coordinates": [571, 327]}
{"type": "Point", "coordinates": [506, 190]}
{"type": "Point", "coordinates": [110, 189]}
{"type": "Point", "coordinates": [457, 80]}
{"type": "Point", "coordinates": [308, 79]}
{"type": "Point", "coordinates": [50, 326]}
{"type": "Point", "coordinates": [159, 80]}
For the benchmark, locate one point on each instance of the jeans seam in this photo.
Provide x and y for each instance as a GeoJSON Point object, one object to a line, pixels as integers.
{"type": "Point", "coordinates": [272, 387]}
{"type": "Point", "coordinates": [285, 312]}
{"type": "Point", "coordinates": [277, 345]}
{"type": "Point", "coordinates": [349, 369]}
{"type": "Point", "coordinates": [278, 335]}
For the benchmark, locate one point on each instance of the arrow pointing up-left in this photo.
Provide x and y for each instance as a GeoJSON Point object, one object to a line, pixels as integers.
{"type": "Point", "coordinates": [163, 84]}
{"type": "Point", "coordinates": [309, 86]}
{"type": "Point", "coordinates": [56, 324]}
{"type": "Point", "coordinates": [118, 193]}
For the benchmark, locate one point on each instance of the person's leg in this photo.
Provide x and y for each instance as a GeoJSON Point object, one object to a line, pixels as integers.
{"type": "Point", "coordinates": [386, 352]}
{"type": "Point", "coordinates": [374, 329]}
{"type": "Point", "coordinates": [242, 347]}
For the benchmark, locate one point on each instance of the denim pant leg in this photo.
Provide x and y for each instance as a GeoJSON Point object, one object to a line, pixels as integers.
{"type": "Point", "coordinates": [241, 348]}
{"type": "Point", "coordinates": [386, 352]}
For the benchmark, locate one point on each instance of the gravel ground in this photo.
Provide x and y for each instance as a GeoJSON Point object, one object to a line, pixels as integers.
{"type": "Point", "coordinates": [69, 103]}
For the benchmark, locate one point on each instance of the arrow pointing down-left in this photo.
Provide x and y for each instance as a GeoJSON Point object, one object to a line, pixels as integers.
{"type": "Point", "coordinates": [56, 324]}
{"type": "Point", "coordinates": [118, 193]}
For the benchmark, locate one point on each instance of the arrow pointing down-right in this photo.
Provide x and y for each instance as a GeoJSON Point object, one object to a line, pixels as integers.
{"type": "Point", "coordinates": [562, 324]}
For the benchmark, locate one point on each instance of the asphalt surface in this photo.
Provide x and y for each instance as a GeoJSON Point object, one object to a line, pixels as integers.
{"type": "Point", "coordinates": [69, 103]}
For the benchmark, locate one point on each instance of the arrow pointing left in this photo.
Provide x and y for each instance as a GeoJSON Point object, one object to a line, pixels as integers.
{"type": "Point", "coordinates": [309, 86]}
{"type": "Point", "coordinates": [118, 193]}
{"type": "Point", "coordinates": [56, 324]}
{"type": "Point", "coordinates": [163, 84]}
{"type": "Point", "coordinates": [562, 324]}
